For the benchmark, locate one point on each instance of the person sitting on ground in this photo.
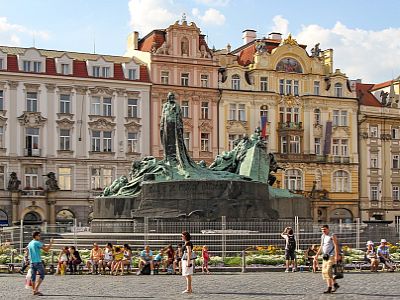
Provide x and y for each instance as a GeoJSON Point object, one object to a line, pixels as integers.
{"type": "Point", "coordinates": [178, 258]}
{"type": "Point", "coordinates": [309, 255]}
{"type": "Point", "coordinates": [63, 260]}
{"type": "Point", "coordinates": [117, 263]}
{"type": "Point", "coordinates": [384, 255]}
{"type": "Point", "coordinates": [96, 255]}
{"type": "Point", "coordinates": [290, 248]}
{"type": "Point", "coordinates": [107, 260]}
{"type": "Point", "coordinates": [127, 259]}
{"type": "Point", "coordinates": [170, 258]}
{"type": "Point", "coordinates": [25, 261]}
{"type": "Point", "coordinates": [159, 260]}
{"type": "Point", "coordinates": [146, 257]}
{"type": "Point", "coordinates": [74, 259]}
{"type": "Point", "coordinates": [371, 256]}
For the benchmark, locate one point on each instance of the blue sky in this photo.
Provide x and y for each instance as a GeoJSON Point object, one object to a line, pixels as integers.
{"type": "Point", "coordinates": [365, 34]}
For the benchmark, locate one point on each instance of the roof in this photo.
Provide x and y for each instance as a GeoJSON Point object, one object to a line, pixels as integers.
{"type": "Point", "coordinates": [381, 85]}
{"type": "Point", "coordinates": [365, 96]}
{"type": "Point", "coordinates": [155, 38]}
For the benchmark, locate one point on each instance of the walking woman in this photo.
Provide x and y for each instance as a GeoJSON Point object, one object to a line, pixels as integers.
{"type": "Point", "coordinates": [187, 263]}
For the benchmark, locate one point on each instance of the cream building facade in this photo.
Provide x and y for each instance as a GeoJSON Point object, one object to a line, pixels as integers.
{"type": "Point", "coordinates": [82, 116]}
{"type": "Point", "coordinates": [311, 118]}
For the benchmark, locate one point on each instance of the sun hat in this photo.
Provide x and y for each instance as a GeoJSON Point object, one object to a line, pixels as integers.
{"type": "Point", "coordinates": [370, 243]}
{"type": "Point", "coordinates": [383, 241]}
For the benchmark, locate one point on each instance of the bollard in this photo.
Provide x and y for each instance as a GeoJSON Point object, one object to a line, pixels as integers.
{"type": "Point", "coordinates": [243, 261]}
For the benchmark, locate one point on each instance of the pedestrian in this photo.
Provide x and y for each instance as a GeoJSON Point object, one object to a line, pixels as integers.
{"type": "Point", "coordinates": [290, 248]}
{"type": "Point", "coordinates": [330, 256]}
{"type": "Point", "coordinates": [206, 258]}
{"type": "Point", "coordinates": [187, 261]}
{"type": "Point", "coordinates": [34, 247]}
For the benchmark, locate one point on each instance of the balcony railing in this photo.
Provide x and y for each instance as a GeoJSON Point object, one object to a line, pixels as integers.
{"type": "Point", "coordinates": [291, 125]}
{"type": "Point", "coordinates": [32, 192]}
{"type": "Point", "coordinates": [300, 157]}
{"type": "Point", "coordinates": [340, 159]}
{"type": "Point", "coordinates": [32, 152]}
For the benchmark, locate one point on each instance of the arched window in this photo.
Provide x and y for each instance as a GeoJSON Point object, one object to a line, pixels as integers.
{"type": "Point", "coordinates": [338, 90]}
{"type": "Point", "coordinates": [65, 216]}
{"type": "Point", "coordinates": [317, 116]}
{"type": "Point", "coordinates": [341, 181]}
{"type": "Point", "coordinates": [3, 218]}
{"type": "Point", "coordinates": [235, 82]}
{"type": "Point", "coordinates": [32, 218]}
{"type": "Point", "coordinates": [185, 46]}
{"type": "Point", "coordinates": [264, 111]}
{"type": "Point", "coordinates": [293, 179]}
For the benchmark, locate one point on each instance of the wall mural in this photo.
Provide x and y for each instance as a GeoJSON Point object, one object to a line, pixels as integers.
{"type": "Point", "coordinates": [289, 65]}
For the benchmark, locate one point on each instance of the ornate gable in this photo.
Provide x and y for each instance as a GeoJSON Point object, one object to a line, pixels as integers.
{"type": "Point", "coordinates": [32, 119]}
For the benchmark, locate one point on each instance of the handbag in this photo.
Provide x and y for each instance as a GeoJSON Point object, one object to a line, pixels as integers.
{"type": "Point", "coordinates": [194, 256]}
{"type": "Point", "coordinates": [338, 271]}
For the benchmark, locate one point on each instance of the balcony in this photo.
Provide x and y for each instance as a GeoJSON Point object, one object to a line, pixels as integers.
{"type": "Point", "coordinates": [292, 157]}
{"type": "Point", "coordinates": [290, 126]}
{"type": "Point", "coordinates": [32, 152]}
{"type": "Point", "coordinates": [340, 159]}
{"type": "Point", "coordinates": [32, 192]}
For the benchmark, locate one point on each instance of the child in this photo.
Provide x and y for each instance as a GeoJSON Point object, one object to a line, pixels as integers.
{"type": "Point", "coordinates": [63, 259]}
{"type": "Point", "coordinates": [158, 259]}
{"type": "Point", "coordinates": [178, 258]}
{"type": "Point", "coordinates": [206, 258]}
{"type": "Point", "coordinates": [118, 256]}
{"type": "Point", "coordinates": [25, 261]}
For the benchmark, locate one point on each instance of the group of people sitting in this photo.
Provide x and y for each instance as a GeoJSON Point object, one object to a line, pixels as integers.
{"type": "Point", "coordinates": [379, 255]}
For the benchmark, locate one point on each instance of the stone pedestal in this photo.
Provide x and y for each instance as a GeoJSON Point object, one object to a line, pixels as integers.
{"type": "Point", "coordinates": [15, 207]}
{"type": "Point", "coordinates": [51, 202]}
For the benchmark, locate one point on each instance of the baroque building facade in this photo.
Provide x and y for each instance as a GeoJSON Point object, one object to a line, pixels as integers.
{"type": "Point", "coordinates": [379, 138]}
{"type": "Point", "coordinates": [180, 61]}
{"type": "Point", "coordinates": [81, 116]}
{"type": "Point", "coordinates": [311, 116]}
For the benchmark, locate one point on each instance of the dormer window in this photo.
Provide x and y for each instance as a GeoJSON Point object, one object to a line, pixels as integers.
{"type": "Point", "coordinates": [32, 66]}
{"type": "Point", "coordinates": [31, 61]}
{"type": "Point", "coordinates": [64, 65]}
{"type": "Point", "coordinates": [65, 69]}
{"type": "Point", "coordinates": [100, 68]}
{"type": "Point", "coordinates": [132, 74]}
{"type": "Point", "coordinates": [105, 72]}
{"type": "Point", "coordinates": [96, 71]}
{"type": "Point", "coordinates": [1, 63]}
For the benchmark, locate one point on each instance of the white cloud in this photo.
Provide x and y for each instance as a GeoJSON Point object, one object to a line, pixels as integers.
{"type": "Point", "coordinates": [14, 33]}
{"type": "Point", "coordinates": [373, 56]}
{"type": "Point", "coordinates": [281, 25]}
{"type": "Point", "coordinates": [147, 15]}
{"type": "Point", "coordinates": [211, 16]}
{"type": "Point", "coordinates": [213, 2]}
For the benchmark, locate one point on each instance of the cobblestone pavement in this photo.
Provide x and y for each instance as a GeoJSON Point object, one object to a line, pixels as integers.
{"type": "Point", "coordinates": [266, 285]}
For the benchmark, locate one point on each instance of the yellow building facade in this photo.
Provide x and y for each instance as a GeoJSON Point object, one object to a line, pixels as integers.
{"type": "Point", "coordinates": [311, 117]}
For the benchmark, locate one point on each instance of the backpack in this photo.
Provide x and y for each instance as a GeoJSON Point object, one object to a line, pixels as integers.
{"type": "Point", "coordinates": [291, 243]}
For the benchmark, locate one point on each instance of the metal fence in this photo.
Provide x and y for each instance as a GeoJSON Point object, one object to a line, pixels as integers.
{"type": "Point", "coordinates": [223, 238]}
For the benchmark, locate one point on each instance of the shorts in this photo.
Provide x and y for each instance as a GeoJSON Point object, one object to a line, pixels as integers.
{"type": "Point", "coordinates": [327, 268]}
{"type": "Point", "coordinates": [37, 267]}
{"type": "Point", "coordinates": [290, 254]}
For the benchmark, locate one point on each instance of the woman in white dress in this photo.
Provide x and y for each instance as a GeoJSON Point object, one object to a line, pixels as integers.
{"type": "Point", "coordinates": [187, 262]}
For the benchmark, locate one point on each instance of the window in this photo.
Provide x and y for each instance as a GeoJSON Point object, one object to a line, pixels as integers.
{"type": "Point", "coordinates": [343, 118]}
{"type": "Point", "coordinates": [264, 84]}
{"type": "Point", "coordinates": [318, 179]}
{"type": "Point", "coordinates": [27, 66]}
{"type": "Point", "coordinates": [31, 177]}
{"type": "Point", "coordinates": [293, 180]}
{"type": "Point", "coordinates": [132, 74]}
{"type": "Point", "coordinates": [96, 71]}
{"type": "Point", "coordinates": [374, 160]}
{"type": "Point", "coordinates": [395, 133]}
{"type": "Point", "coordinates": [344, 147]}
{"type": "Point", "coordinates": [204, 110]}
{"type": "Point", "coordinates": [339, 118]}
{"type": "Point", "coordinates": [235, 82]}
{"type": "Point", "coordinates": [107, 107]}
{"type": "Point", "coordinates": [340, 147]}
{"type": "Point", "coordinates": [281, 86]}
{"type": "Point", "coordinates": [341, 181]}
{"type": "Point", "coordinates": [65, 69]}
{"type": "Point", "coordinates": [185, 109]}
{"type": "Point", "coordinates": [107, 141]}
{"type": "Point", "coordinates": [264, 111]}
{"type": "Point", "coordinates": [317, 116]}
{"type": "Point", "coordinates": [164, 77]}
{"type": "Point", "coordinates": [100, 178]}
{"type": "Point", "coordinates": [185, 79]}
{"type": "Point", "coordinates": [204, 80]}
{"type": "Point", "coordinates": [65, 139]}
{"type": "Point", "coordinates": [395, 161]}
{"type": "Point", "coordinates": [64, 178]}
{"type": "Point", "coordinates": [37, 66]}
{"type": "Point", "coordinates": [105, 72]}
{"type": "Point", "coordinates": [65, 104]}
{"type": "Point", "coordinates": [2, 178]}
{"type": "Point", "coordinates": [232, 111]}
{"type": "Point", "coordinates": [32, 138]}
{"type": "Point", "coordinates": [205, 142]}
{"type": "Point", "coordinates": [284, 147]}
{"type": "Point", "coordinates": [317, 146]}
{"type": "Point", "coordinates": [395, 193]}
{"type": "Point", "coordinates": [316, 88]}
{"type": "Point", "coordinates": [2, 145]}
{"type": "Point", "coordinates": [296, 87]}
{"type": "Point", "coordinates": [133, 108]}
{"type": "Point", "coordinates": [335, 118]}
{"type": "Point", "coordinates": [186, 140]}
{"type": "Point", "coordinates": [232, 138]}
{"type": "Point", "coordinates": [96, 141]}
{"type": "Point", "coordinates": [97, 103]}
{"type": "Point", "coordinates": [288, 87]}
{"type": "Point", "coordinates": [1, 100]}
{"type": "Point", "coordinates": [289, 115]}
{"type": "Point", "coordinates": [338, 90]}
{"type": "Point", "coordinates": [335, 147]}
{"type": "Point", "coordinates": [373, 131]}
{"type": "Point", "coordinates": [294, 144]}
{"type": "Point", "coordinates": [242, 112]}
{"type": "Point", "coordinates": [1, 63]}
{"type": "Point", "coordinates": [31, 101]}
{"type": "Point", "coordinates": [374, 193]}
{"type": "Point", "coordinates": [133, 142]}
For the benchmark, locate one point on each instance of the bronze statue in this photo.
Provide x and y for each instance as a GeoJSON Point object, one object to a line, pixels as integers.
{"type": "Point", "coordinates": [51, 182]}
{"type": "Point", "coordinates": [273, 167]}
{"type": "Point", "coordinates": [13, 183]}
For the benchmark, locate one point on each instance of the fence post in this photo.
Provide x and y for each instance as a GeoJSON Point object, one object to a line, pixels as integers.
{"type": "Point", "coordinates": [243, 261]}
{"type": "Point", "coordinates": [223, 237]}
{"type": "Point", "coordinates": [358, 233]}
{"type": "Point", "coordinates": [340, 225]}
{"type": "Point", "coordinates": [45, 227]}
{"type": "Point", "coordinates": [297, 232]}
{"type": "Point", "coordinates": [75, 233]}
{"type": "Point", "coordinates": [146, 230]}
{"type": "Point", "coordinates": [21, 236]}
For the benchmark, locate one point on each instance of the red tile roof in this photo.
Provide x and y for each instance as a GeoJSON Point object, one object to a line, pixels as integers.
{"type": "Point", "coordinates": [80, 69]}
{"type": "Point", "coordinates": [12, 63]}
{"type": "Point", "coordinates": [156, 37]}
{"type": "Point", "coordinates": [381, 85]}
{"type": "Point", "coordinates": [144, 74]}
{"type": "Point", "coordinates": [364, 95]}
{"type": "Point", "coordinates": [118, 72]}
{"type": "Point", "coordinates": [51, 66]}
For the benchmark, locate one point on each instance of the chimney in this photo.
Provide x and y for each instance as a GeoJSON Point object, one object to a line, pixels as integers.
{"type": "Point", "coordinates": [248, 36]}
{"type": "Point", "coordinates": [132, 41]}
{"type": "Point", "coordinates": [275, 36]}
